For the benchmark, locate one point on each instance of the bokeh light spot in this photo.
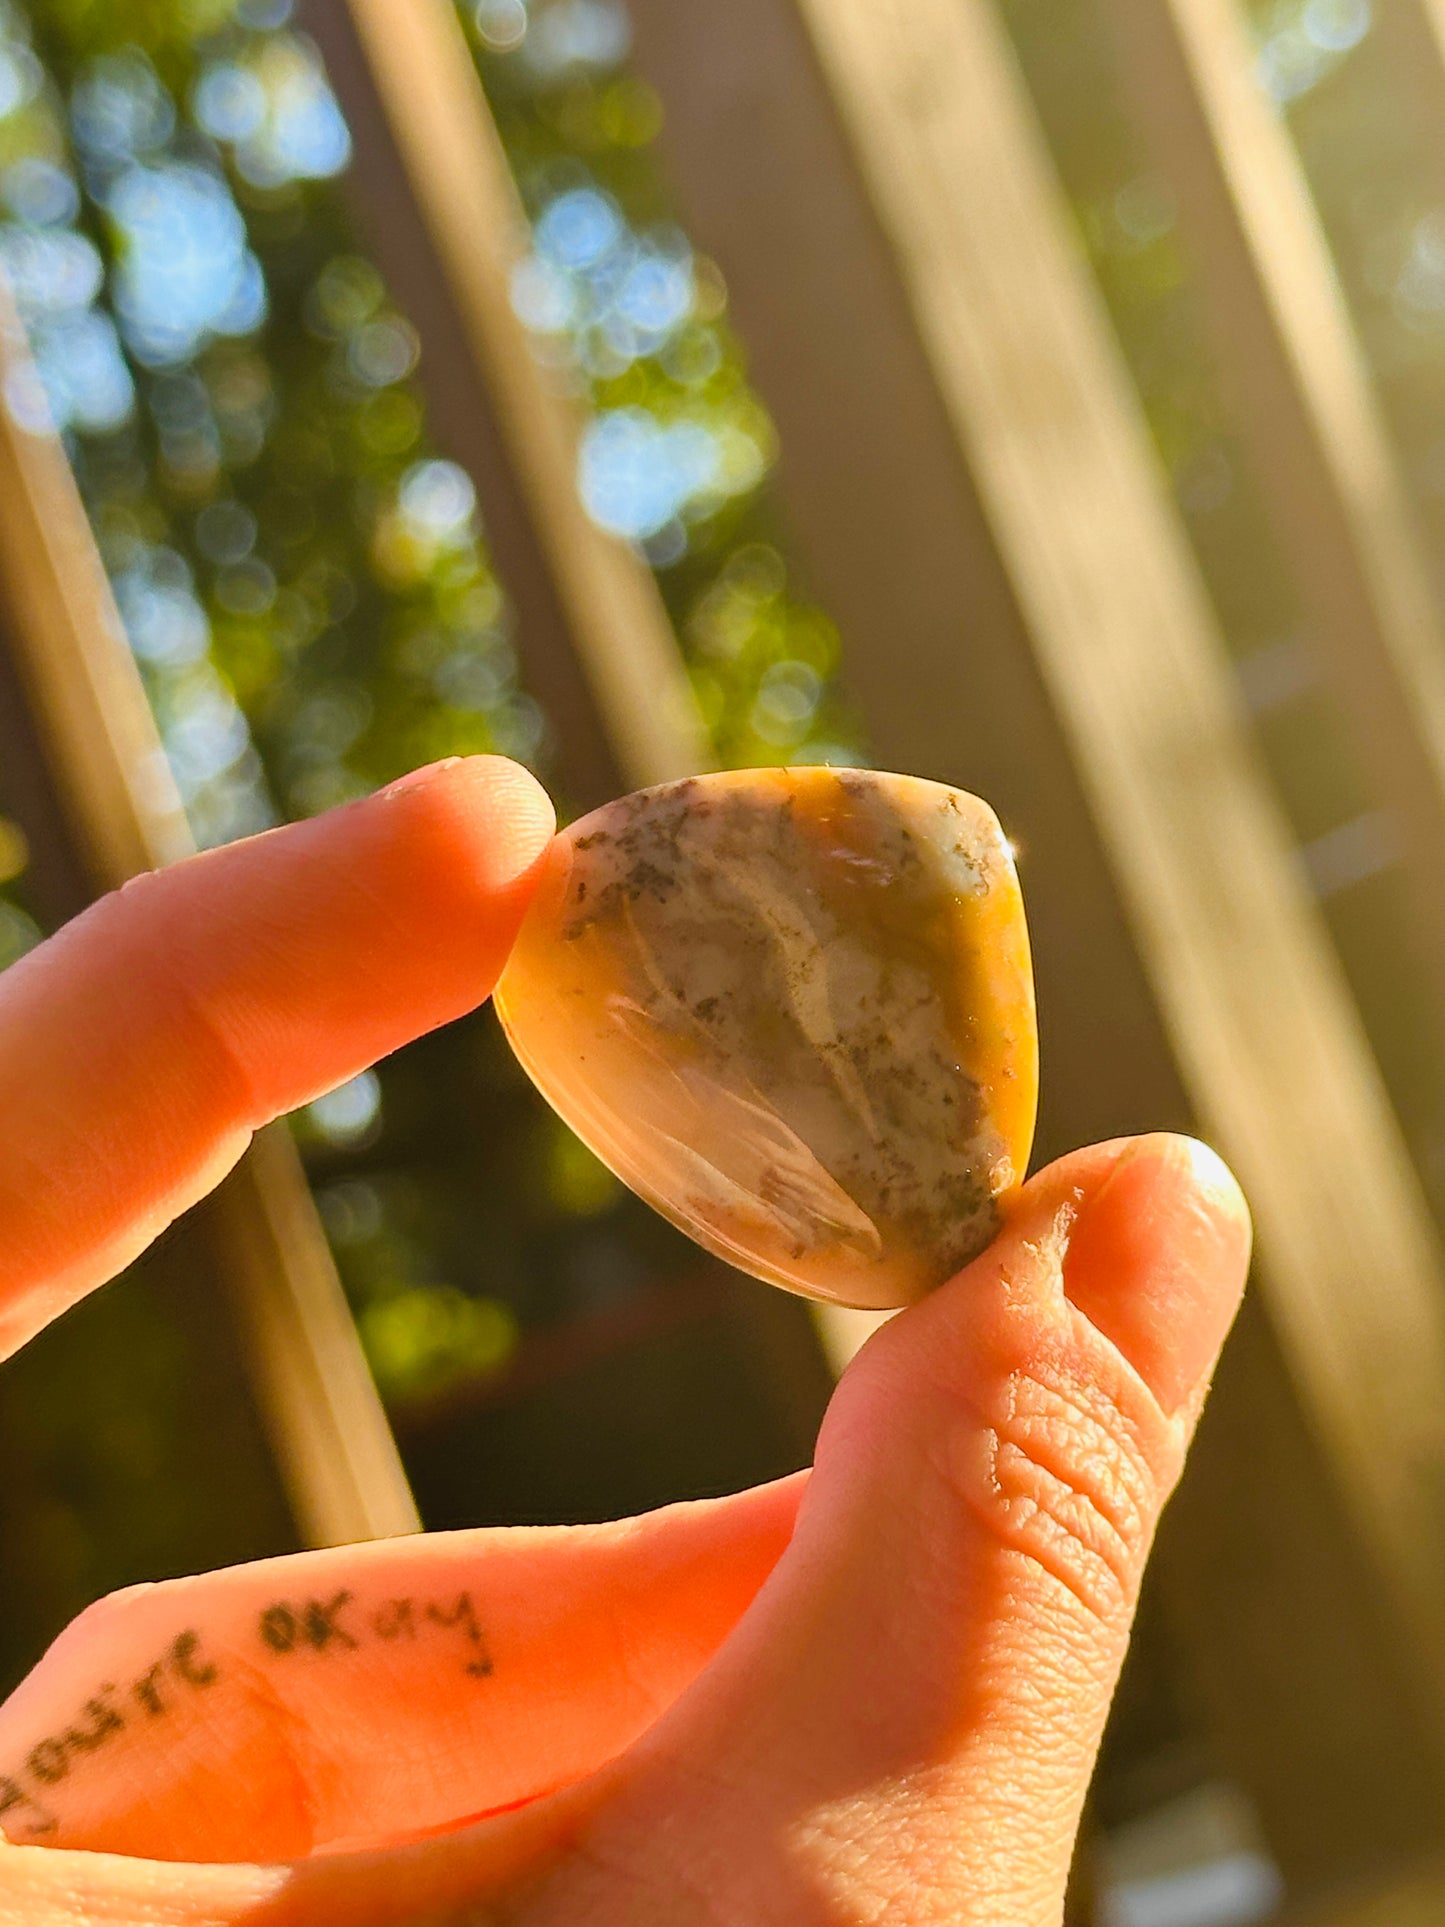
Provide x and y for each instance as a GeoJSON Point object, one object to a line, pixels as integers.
{"type": "Point", "coordinates": [578, 228]}
{"type": "Point", "coordinates": [348, 1113]}
{"type": "Point", "coordinates": [229, 102]}
{"type": "Point", "coordinates": [501, 24]}
{"type": "Point", "coordinates": [38, 191]}
{"type": "Point", "coordinates": [437, 498]}
{"type": "Point", "coordinates": [428, 1336]}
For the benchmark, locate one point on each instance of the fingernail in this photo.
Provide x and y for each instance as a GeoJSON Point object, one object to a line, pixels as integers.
{"type": "Point", "coordinates": [1157, 1260]}
{"type": "Point", "coordinates": [417, 779]}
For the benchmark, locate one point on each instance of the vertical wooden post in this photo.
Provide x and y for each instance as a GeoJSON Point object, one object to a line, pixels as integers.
{"type": "Point", "coordinates": [109, 788]}
{"type": "Point", "coordinates": [973, 489]}
{"type": "Point", "coordinates": [1306, 411]}
{"type": "Point", "coordinates": [436, 200]}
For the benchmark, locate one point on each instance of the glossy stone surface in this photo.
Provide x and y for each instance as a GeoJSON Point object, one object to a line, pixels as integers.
{"type": "Point", "coordinates": [794, 1010]}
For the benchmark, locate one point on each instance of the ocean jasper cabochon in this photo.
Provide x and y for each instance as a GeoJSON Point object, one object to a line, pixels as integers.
{"type": "Point", "coordinates": [794, 1010]}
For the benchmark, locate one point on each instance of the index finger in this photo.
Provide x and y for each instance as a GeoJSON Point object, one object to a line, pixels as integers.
{"type": "Point", "coordinates": [144, 1043]}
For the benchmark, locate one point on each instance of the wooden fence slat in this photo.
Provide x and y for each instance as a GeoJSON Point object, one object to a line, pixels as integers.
{"type": "Point", "coordinates": [1271, 1046]}
{"type": "Point", "coordinates": [436, 199]}
{"type": "Point", "coordinates": [972, 486]}
{"type": "Point", "coordinates": [335, 1451]}
{"type": "Point", "coordinates": [1306, 411]}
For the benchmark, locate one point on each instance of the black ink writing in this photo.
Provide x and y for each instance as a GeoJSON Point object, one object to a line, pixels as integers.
{"type": "Point", "coordinates": [49, 1761]}
{"type": "Point", "coordinates": [317, 1624]}
{"type": "Point", "coordinates": [461, 1614]}
{"type": "Point", "coordinates": [287, 1626]}
{"type": "Point", "coordinates": [278, 1629]}
{"type": "Point", "coordinates": [397, 1619]}
{"type": "Point", "coordinates": [321, 1622]}
{"type": "Point", "coordinates": [183, 1658]}
{"type": "Point", "coordinates": [104, 1720]}
{"type": "Point", "coordinates": [147, 1690]}
{"type": "Point", "coordinates": [394, 1620]}
{"type": "Point", "coordinates": [13, 1795]}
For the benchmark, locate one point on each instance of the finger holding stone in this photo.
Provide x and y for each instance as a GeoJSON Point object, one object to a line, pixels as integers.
{"type": "Point", "coordinates": [143, 1044]}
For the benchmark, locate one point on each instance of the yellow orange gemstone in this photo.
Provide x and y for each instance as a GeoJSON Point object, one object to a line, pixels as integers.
{"type": "Point", "coordinates": [794, 1010]}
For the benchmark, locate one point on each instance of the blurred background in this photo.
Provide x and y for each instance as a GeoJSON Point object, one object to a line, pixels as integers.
{"type": "Point", "coordinates": [1047, 396]}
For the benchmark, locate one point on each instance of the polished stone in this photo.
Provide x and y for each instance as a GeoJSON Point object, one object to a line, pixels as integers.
{"type": "Point", "coordinates": [794, 1010]}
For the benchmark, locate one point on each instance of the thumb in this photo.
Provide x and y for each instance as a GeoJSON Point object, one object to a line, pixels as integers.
{"type": "Point", "coordinates": [903, 1726]}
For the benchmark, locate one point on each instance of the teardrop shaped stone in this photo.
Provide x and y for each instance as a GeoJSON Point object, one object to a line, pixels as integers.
{"type": "Point", "coordinates": [794, 1010]}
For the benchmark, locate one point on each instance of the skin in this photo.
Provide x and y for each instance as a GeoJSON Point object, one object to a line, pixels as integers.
{"type": "Point", "coordinates": [872, 1693]}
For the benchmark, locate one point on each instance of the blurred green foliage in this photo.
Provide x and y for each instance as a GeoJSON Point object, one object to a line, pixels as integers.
{"type": "Point", "coordinates": [304, 582]}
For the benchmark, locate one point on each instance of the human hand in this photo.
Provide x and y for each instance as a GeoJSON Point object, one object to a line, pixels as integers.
{"type": "Point", "coordinates": [868, 1694]}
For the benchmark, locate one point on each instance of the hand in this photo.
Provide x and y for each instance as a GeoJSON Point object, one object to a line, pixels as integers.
{"type": "Point", "coordinates": [868, 1694]}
